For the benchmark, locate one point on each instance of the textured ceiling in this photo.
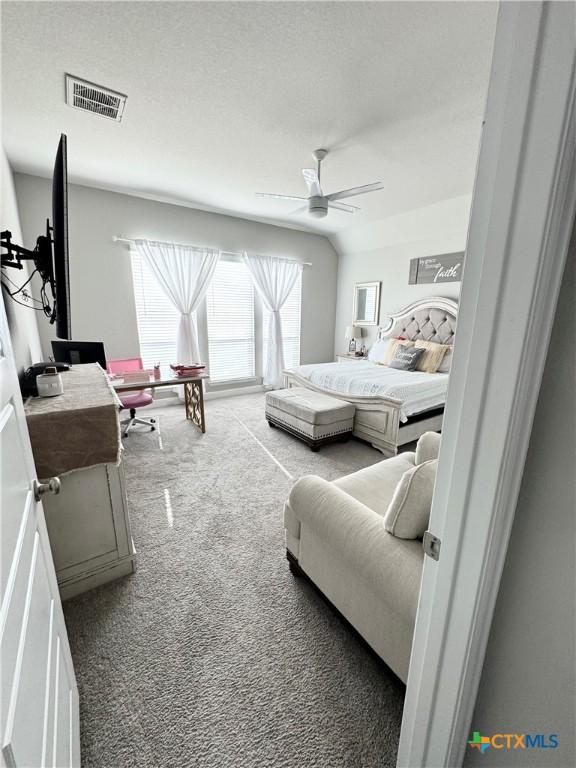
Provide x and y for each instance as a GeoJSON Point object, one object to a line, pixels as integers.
{"type": "Point", "coordinates": [226, 99]}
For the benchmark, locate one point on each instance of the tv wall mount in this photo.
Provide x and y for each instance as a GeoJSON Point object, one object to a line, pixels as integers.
{"type": "Point", "coordinates": [13, 255]}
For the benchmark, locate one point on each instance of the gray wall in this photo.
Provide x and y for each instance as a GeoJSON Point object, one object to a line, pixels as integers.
{"type": "Point", "coordinates": [100, 271]}
{"type": "Point", "coordinates": [528, 681]}
{"type": "Point", "coordinates": [382, 251]}
{"type": "Point", "coordinates": [22, 320]}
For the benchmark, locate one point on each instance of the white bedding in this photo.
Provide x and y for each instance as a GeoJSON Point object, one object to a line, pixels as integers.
{"type": "Point", "coordinates": [416, 391]}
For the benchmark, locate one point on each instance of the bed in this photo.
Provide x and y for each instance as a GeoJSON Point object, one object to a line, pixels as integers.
{"type": "Point", "coordinates": [392, 407]}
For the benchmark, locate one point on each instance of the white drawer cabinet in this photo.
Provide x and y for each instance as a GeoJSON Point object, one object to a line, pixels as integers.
{"type": "Point", "coordinates": [89, 529]}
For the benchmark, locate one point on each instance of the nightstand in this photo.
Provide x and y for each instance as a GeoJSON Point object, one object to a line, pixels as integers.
{"type": "Point", "coordinates": [348, 357]}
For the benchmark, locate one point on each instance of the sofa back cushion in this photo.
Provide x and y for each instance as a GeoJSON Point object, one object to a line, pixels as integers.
{"type": "Point", "coordinates": [408, 513]}
{"type": "Point", "coordinates": [374, 486]}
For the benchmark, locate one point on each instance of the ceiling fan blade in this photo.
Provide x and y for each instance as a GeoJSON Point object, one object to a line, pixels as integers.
{"type": "Point", "coordinates": [279, 197]}
{"type": "Point", "coordinates": [355, 191]}
{"type": "Point", "coordinates": [303, 209]}
{"type": "Point", "coordinates": [343, 207]}
{"type": "Point", "coordinates": [312, 181]}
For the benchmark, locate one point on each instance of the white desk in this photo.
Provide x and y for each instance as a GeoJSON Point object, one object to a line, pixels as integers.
{"type": "Point", "coordinates": [193, 392]}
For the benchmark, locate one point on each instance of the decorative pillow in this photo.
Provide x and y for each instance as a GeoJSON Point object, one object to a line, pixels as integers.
{"type": "Point", "coordinates": [427, 447]}
{"type": "Point", "coordinates": [433, 355]}
{"type": "Point", "coordinates": [446, 363]}
{"type": "Point", "coordinates": [393, 344]}
{"type": "Point", "coordinates": [408, 513]}
{"type": "Point", "coordinates": [378, 350]}
{"type": "Point", "coordinates": [406, 358]}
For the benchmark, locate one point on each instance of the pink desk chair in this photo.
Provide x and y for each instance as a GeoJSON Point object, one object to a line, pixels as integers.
{"type": "Point", "coordinates": [132, 370]}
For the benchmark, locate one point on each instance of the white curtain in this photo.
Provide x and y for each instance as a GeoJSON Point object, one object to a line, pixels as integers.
{"type": "Point", "coordinates": [184, 273]}
{"type": "Point", "coordinates": [274, 280]}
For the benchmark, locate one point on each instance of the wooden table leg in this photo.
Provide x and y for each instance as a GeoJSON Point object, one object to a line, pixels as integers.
{"type": "Point", "coordinates": [194, 403]}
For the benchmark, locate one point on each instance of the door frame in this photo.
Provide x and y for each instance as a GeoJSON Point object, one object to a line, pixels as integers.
{"type": "Point", "coordinates": [522, 215]}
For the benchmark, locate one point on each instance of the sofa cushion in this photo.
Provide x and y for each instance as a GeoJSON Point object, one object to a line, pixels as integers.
{"type": "Point", "coordinates": [408, 514]}
{"type": "Point", "coordinates": [374, 486]}
{"type": "Point", "coordinates": [428, 447]}
{"type": "Point", "coordinates": [309, 406]}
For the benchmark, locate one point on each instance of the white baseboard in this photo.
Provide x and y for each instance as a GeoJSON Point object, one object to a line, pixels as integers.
{"type": "Point", "coordinates": [171, 398]}
{"type": "Point", "coordinates": [216, 394]}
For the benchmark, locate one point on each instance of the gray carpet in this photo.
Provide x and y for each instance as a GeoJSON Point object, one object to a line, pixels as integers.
{"type": "Point", "coordinates": [213, 654]}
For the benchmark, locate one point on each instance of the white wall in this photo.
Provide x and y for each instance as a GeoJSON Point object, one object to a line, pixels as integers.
{"type": "Point", "coordinates": [382, 251]}
{"type": "Point", "coordinates": [102, 300]}
{"type": "Point", "coordinates": [22, 320]}
{"type": "Point", "coordinates": [528, 681]}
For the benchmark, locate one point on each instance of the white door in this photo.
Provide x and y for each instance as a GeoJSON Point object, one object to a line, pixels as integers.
{"type": "Point", "coordinates": [521, 220]}
{"type": "Point", "coordinates": [39, 716]}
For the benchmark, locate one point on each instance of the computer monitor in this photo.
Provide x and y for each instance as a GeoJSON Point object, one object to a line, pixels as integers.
{"type": "Point", "coordinates": [79, 352]}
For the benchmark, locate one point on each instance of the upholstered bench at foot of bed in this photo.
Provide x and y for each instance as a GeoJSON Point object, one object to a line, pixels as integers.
{"type": "Point", "coordinates": [314, 418]}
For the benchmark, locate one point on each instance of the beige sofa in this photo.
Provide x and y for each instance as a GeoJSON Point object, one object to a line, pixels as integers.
{"type": "Point", "coordinates": [336, 536]}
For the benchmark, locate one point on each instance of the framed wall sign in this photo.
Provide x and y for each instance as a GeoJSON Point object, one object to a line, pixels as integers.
{"type": "Point", "coordinates": [446, 268]}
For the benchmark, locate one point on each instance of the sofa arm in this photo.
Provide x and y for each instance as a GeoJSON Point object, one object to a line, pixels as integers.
{"type": "Point", "coordinates": [331, 513]}
{"type": "Point", "coordinates": [356, 534]}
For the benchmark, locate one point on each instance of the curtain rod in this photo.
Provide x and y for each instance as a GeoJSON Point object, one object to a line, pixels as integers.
{"type": "Point", "coordinates": [129, 241]}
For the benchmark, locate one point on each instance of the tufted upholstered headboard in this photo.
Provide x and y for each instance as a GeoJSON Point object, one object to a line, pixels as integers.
{"type": "Point", "coordinates": [431, 319]}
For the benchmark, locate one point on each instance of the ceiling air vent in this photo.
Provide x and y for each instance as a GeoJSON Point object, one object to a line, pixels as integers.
{"type": "Point", "coordinates": [90, 97]}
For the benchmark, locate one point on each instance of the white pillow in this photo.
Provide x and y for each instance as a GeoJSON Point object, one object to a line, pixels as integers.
{"type": "Point", "coordinates": [408, 513]}
{"type": "Point", "coordinates": [378, 350]}
{"type": "Point", "coordinates": [444, 366]}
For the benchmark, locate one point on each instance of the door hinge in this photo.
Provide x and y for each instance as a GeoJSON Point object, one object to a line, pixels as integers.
{"type": "Point", "coordinates": [431, 545]}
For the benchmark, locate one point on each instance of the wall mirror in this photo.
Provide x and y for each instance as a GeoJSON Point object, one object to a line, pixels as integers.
{"type": "Point", "coordinates": [366, 303]}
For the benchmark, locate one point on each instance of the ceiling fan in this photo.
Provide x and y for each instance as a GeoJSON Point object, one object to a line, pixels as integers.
{"type": "Point", "coordinates": [317, 203]}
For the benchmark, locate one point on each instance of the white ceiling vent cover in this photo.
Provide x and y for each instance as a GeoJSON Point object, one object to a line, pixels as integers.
{"type": "Point", "coordinates": [90, 97]}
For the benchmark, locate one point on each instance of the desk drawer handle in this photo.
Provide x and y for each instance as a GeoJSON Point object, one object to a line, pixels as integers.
{"type": "Point", "coordinates": [52, 486]}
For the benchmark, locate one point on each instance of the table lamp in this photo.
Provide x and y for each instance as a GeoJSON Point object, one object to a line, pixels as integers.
{"type": "Point", "coordinates": [353, 332]}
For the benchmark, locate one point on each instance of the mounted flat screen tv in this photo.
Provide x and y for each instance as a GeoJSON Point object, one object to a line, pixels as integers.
{"type": "Point", "coordinates": [61, 276]}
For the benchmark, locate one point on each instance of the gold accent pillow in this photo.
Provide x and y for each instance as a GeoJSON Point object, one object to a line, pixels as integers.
{"type": "Point", "coordinates": [432, 357]}
{"type": "Point", "coordinates": [389, 354]}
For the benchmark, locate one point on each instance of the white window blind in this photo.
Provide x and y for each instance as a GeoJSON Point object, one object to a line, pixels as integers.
{"type": "Point", "coordinates": [290, 314]}
{"type": "Point", "coordinates": [230, 316]}
{"type": "Point", "coordinates": [157, 318]}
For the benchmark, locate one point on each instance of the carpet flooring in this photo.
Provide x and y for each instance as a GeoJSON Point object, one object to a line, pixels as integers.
{"type": "Point", "coordinates": [212, 654]}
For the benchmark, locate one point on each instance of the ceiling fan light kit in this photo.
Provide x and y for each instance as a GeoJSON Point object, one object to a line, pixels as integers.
{"type": "Point", "coordinates": [317, 206]}
{"type": "Point", "coordinates": [317, 202]}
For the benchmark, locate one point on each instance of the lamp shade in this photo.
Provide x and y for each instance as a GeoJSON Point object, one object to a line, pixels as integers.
{"type": "Point", "coordinates": [353, 332]}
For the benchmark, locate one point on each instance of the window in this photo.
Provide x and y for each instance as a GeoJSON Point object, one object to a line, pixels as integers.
{"type": "Point", "coordinates": [230, 320]}
{"type": "Point", "coordinates": [230, 316]}
{"type": "Point", "coordinates": [290, 314]}
{"type": "Point", "coordinates": [157, 318]}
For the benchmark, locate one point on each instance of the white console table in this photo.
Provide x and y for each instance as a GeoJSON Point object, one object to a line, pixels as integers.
{"type": "Point", "coordinates": [76, 437]}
